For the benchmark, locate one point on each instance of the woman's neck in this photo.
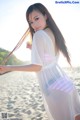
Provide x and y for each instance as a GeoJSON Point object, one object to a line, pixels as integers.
{"type": "Point", "coordinates": [46, 27]}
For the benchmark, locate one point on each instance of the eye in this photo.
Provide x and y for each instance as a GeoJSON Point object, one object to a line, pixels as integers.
{"type": "Point", "coordinates": [30, 23]}
{"type": "Point", "coordinates": [36, 18]}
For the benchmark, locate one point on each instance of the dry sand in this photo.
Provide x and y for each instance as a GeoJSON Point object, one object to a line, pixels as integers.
{"type": "Point", "coordinates": [20, 96]}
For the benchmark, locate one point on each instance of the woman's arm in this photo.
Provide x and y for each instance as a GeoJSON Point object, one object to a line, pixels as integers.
{"type": "Point", "coordinates": [27, 68]}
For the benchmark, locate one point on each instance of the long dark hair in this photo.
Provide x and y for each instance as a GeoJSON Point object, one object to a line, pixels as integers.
{"type": "Point", "coordinates": [59, 39]}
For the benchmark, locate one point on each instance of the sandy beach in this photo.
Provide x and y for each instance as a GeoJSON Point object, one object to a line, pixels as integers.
{"type": "Point", "coordinates": [20, 96]}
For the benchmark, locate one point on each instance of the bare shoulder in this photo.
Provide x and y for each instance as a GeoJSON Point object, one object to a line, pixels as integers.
{"type": "Point", "coordinates": [44, 34]}
{"type": "Point", "coordinates": [52, 37]}
{"type": "Point", "coordinates": [50, 33]}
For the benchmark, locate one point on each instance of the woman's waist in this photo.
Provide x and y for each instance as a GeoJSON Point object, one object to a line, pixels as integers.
{"type": "Point", "coordinates": [49, 73]}
{"type": "Point", "coordinates": [53, 74]}
{"type": "Point", "coordinates": [49, 65]}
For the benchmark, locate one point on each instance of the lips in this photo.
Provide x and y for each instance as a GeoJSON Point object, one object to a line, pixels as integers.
{"type": "Point", "coordinates": [37, 28]}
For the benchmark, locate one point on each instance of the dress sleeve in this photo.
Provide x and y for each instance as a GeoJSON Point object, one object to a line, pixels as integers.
{"type": "Point", "coordinates": [43, 49]}
{"type": "Point", "coordinates": [38, 48]}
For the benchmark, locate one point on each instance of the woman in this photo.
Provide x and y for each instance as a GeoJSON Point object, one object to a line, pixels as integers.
{"type": "Point", "coordinates": [60, 97]}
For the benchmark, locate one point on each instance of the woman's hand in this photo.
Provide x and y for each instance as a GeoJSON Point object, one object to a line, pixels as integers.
{"type": "Point", "coordinates": [29, 45]}
{"type": "Point", "coordinates": [4, 69]}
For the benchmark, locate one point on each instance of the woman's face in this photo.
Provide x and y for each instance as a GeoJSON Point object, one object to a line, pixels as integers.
{"type": "Point", "coordinates": [37, 20]}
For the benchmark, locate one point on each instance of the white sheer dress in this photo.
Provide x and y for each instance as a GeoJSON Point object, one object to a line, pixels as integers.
{"type": "Point", "coordinates": [60, 97]}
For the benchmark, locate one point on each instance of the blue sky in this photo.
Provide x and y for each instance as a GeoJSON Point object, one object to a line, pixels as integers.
{"type": "Point", "coordinates": [13, 24]}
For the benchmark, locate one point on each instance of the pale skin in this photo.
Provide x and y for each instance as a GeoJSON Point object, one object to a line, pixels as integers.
{"type": "Point", "coordinates": [38, 22]}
